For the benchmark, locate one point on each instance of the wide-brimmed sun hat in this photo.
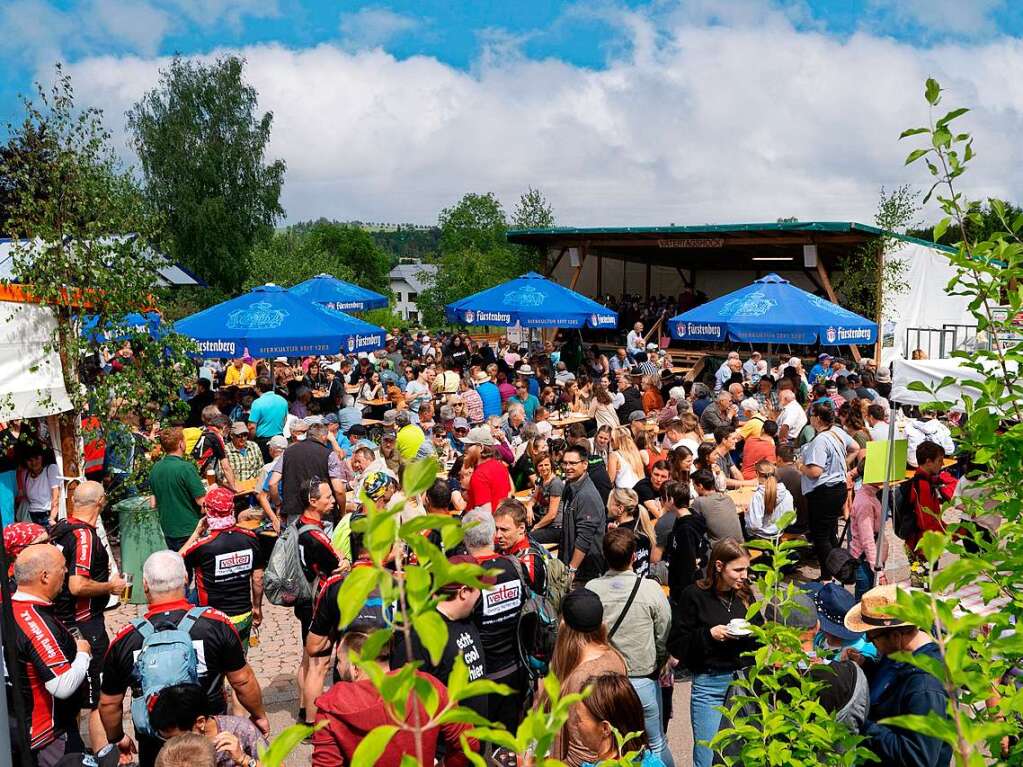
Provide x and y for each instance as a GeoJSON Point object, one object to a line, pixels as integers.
{"type": "Point", "coordinates": [874, 610]}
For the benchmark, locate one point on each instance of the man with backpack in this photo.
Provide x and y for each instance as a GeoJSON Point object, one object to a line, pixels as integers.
{"type": "Point", "coordinates": [317, 559]}
{"type": "Point", "coordinates": [917, 503]}
{"type": "Point", "coordinates": [511, 539]}
{"type": "Point", "coordinates": [496, 616]}
{"type": "Point", "coordinates": [87, 588]}
{"type": "Point", "coordinates": [175, 643]}
{"type": "Point", "coordinates": [301, 461]}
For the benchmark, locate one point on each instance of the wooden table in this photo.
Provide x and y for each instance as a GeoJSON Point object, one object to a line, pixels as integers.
{"type": "Point", "coordinates": [741, 496]}
{"type": "Point", "coordinates": [371, 422]}
{"type": "Point", "coordinates": [568, 420]}
{"type": "Point", "coordinates": [375, 402]}
{"type": "Point", "coordinates": [353, 388]}
{"type": "Point", "coordinates": [245, 487]}
{"type": "Point", "coordinates": [524, 495]}
{"type": "Point", "coordinates": [911, 472]}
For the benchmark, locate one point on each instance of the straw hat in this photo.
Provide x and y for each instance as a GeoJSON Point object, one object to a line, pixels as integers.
{"type": "Point", "coordinates": [481, 377]}
{"type": "Point", "coordinates": [873, 610]}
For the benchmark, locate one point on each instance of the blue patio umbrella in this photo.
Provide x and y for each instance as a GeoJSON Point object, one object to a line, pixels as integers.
{"type": "Point", "coordinates": [532, 301]}
{"type": "Point", "coordinates": [120, 329]}
{"type": "Point", "coordinates": [773, 310]}
{"type": "Point", "coordinates": [338, 294]}
{"type": "Point", "coordinates": [271, 322]}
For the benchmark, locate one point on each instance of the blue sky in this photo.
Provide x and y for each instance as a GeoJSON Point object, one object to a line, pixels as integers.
{"type": "Point", "coordinates": [470, 61]}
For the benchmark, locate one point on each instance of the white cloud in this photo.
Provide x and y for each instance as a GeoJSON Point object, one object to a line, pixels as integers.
{"type": "Point", "coordinates": [371, 27]}
{"type": "Point", "coordinates": [41, 32]}
{"type": "Point", "coordinates": [696, 123]}
{"type": "Point", "coordinates": [968, 19]}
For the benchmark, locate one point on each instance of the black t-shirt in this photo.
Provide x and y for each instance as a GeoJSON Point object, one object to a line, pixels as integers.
{"type": "Point", "coordinates": [464, 640]}
{"type": "Point", "coordinates": [327, 614]}
{"type": "Point", "coordinates": [633, 402]}
{"type": "Point", "coordinates": [315, 551]}
{"type": "Point", "coordinates": [223, 563]}
{"type": "Point", "coordinates": [45, 650]}
{"type": "Point", "coordinates": [216, 644]}
{"type": "Point", "coordinates": [84, 555]}
{"type": "Point", "coordinates": [646, 492]}
{"type": "Point", "coordinates": [496, 614]}
{"type": "Point", "coordinates": [662, 529]}
{"type": "Point", "coordinates": [209, 450]}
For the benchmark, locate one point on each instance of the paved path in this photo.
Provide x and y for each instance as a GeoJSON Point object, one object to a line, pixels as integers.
{"type": "Point", "coordinates": [280, 651]}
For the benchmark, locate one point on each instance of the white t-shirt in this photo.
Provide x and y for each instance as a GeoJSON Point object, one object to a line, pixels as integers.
{"type": "Point", "coordinates": [794, 416]}
{"type": "Point", "coordinates": [38, 489]}
{"type": "Point", "coordinates": [415, 390]}
{"type": "Point", "coordinates": [879, 431]}
{"type": "Point", "coordinates": [634, 342]}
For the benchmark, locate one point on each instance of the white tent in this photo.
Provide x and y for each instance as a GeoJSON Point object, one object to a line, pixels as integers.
{"type": "Point", "coordinates": [31, 378]}
{"type": "Point", "coordinates": [931, 373]}
{"type": "Point", "coordinates": [925, 304]}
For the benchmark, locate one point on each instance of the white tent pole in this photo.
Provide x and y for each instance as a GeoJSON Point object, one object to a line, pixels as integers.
{"type": "Point", "coordinates": [886, 493]}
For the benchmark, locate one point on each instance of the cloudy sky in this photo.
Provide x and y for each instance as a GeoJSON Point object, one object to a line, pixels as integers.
{"type": "Point", "coordinates": [623, 113]}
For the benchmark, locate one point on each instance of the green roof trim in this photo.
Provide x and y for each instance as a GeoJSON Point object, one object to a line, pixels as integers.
{"type": "Point", "coordinates": [777, 226]}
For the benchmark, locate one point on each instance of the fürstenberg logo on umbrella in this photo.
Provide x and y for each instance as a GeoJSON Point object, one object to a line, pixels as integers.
{"type": "Point", "coordinates": [342, 305]}
{"type": "Point", "coordinates": [227, 347]}
{"type": "Point", "coordinates": [847, 334]}
{"type": "Point", "coordinates": [471, 316]}
{"type": "Point", "coordinates": [694, 329]}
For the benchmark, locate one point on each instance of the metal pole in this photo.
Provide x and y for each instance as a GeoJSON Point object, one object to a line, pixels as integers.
{"type": "Point", "coordinates": [886, 493]}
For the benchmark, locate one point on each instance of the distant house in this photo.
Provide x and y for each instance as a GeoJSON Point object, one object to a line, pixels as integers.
{"type": "Point", "coordinates": [408, 280]}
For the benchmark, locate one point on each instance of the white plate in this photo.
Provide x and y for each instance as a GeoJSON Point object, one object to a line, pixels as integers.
{"type": "Point", "coordinates": [739, 633]}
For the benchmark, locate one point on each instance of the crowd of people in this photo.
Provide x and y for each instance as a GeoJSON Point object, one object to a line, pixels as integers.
{"type": "Point", "coordinates": [605, 485]}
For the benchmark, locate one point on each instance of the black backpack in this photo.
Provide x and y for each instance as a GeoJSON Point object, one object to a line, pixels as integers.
{"type": "Point", "coordinates": [903, 510]}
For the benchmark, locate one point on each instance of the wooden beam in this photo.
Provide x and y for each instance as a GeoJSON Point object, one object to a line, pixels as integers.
{"type": "Point", "coordinates": [583, 252]}
{"type": "Point", "coordinates": [813, 278]}
{"type": "Point", "coordinates": [823, 274]}
{"type": "Point", "coordinates": [687, 281]}
{"type": "Point", "coordinates": [557, 261]}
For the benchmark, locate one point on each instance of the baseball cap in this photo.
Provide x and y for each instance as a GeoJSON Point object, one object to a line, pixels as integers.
{"type": "Point", "coordinates": [378, 482]}
{"type": "Point", "coordinates": [314, 420]}
{"type": "Point", "coordinates": [637, 415]}
{"type": "Point", "coordinates": [481, 435]}
{"type": "Point", "coordinates": [358, 431]}
{"type": "Point", "coordinates": [582, 610]}
{"type": "Point", "coordinates": [651, 347]}
{"type": "Point", "coordinates": [825, 356]}
{"type": "Point", "coordinates": [281, 360]}
{"type": "Point", "coordinates": [331, 418]}
{"type": "Point", "coordinates": [525, 370]}
{"type": "Point", "coordinates": [239, 427]}
{"type": "Point", "coordinates": [460, 423]}
{"type": "Point", "coordinates": [278, 441]}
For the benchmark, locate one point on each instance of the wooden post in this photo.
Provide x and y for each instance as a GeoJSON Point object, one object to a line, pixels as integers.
{"type": "Point", "coordinates": [552, 267]}
{"type": "Point", "coordinates": [583, 252]}
{"type": "Point", "coordinates": [826, 281]}
{"type": "Point", "coordinates": [879, 304]}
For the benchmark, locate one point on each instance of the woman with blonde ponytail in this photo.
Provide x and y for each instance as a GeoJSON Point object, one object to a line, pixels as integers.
{"type": "Point", "coordinates": [625, 510]}
{"type": "Point", "coordinates": [770, 501]}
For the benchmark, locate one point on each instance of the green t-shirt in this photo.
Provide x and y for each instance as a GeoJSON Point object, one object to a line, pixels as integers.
{"type": "Point", "coordinates": [176, 484]}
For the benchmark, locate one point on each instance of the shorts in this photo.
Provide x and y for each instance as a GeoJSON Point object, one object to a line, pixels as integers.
{"type": "Point", "coordinates": [95, 633]}
{"type": "Point", "coordinates": [243, 625]}
{"type": "Point", "coordinates": [304, 613]}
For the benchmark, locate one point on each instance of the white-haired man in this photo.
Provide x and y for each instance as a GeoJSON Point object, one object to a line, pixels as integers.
{"type": "Point", "coordinates": [752, 419]}
{"type": "Point", "coordinates": [496, 615]}
{"type": "Point", "coordinates": [217, 645]}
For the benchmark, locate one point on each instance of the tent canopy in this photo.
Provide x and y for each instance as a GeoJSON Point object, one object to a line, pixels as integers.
{"type": "Point", "coordinates": [773, 310]}
{"type": "Point", "coordinates": [337, 294]}
{"type": "Point", "coordinates": [149, 322]}
{"type": "Point", "coordinates": [269, 321]}
{"type": "Point", "coordinates": [31, 378]}
{"type": "Point", "coordinates": [531, 301]}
